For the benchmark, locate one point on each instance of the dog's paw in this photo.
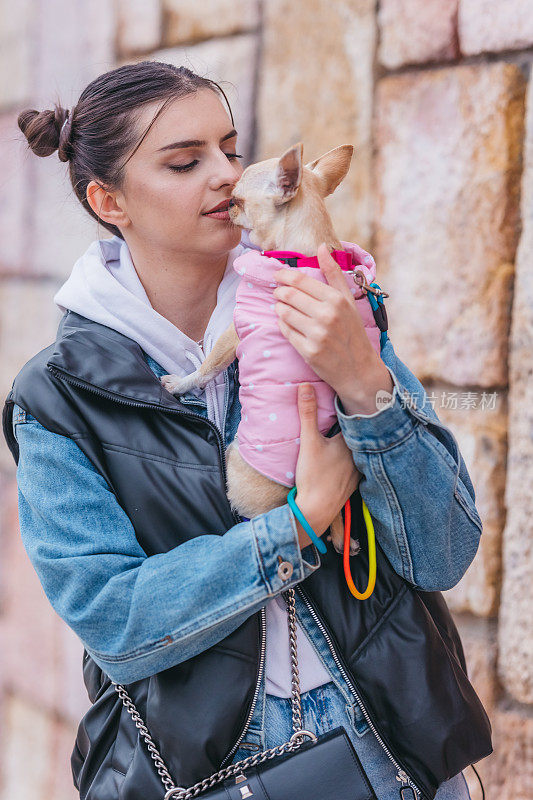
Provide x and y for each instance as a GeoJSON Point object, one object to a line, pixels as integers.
{"type": "Point", "coordinates": [355, 547]}
{"type": "Point", "coordinates": [172, 383]}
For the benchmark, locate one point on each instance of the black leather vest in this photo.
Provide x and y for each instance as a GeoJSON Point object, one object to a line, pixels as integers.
{"type": "Point", "coordinates": [400, 649]}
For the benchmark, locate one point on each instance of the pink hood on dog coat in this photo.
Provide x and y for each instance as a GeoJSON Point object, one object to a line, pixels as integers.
{"type": "Point", "coordinates": [270, 368]}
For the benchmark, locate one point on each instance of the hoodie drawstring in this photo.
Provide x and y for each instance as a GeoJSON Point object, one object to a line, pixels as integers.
{"type": "Point", "coordinates": [210, 393]}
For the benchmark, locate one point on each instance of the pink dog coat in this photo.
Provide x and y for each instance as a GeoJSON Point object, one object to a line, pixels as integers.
{"type": "Point", "coordinates": [270, 368]}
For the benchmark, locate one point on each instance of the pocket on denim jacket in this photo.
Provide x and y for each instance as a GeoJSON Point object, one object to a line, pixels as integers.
{"type": "Point", "coordinates": [251, 745]}
{"type": "Point", "coordinates": [21, 416]}
{"type": "Point", "coordinates": [357, 720]}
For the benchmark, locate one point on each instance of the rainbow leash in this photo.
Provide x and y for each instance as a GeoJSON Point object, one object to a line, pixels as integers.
{"type": "Point", "coordinates": [372, 563]}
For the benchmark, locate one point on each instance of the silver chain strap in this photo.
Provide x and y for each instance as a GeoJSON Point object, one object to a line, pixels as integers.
{"type": "Point", "coordinates": [296, 740]}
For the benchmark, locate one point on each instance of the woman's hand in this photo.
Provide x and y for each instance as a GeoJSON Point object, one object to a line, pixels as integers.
{"type": "Point", "coordinates": [323, 324]}
{"type": "Point", "coordinates": [325, 475]}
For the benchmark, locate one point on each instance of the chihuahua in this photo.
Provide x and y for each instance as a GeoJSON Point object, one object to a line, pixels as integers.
{"type": "Point", "coordinates": [280, 202]}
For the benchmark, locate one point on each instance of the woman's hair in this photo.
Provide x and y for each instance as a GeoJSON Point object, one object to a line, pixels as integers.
{"type": "Point", "coordinates": [99, 135]}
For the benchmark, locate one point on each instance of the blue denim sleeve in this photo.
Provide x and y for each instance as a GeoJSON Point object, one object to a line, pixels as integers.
{"type": "Point", "coordinates": [415, 483]}
{"type": "Point", "coordinates": [138, 615]}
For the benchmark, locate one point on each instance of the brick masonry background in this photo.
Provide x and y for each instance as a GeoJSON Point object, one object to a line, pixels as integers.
{"type": "Point", "coordinates": [437, 97]}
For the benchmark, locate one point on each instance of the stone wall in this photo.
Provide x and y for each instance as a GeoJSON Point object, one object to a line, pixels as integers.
{"type": "Point", "coordinates": [437, 97]}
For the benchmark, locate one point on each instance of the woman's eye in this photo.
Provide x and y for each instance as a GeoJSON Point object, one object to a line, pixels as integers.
{"type": "Point", "coordinates": [193, 163]}
{"type": "Point", "coordinates": [184, 167]}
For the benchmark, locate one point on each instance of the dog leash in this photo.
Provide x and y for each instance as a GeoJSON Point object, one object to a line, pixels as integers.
{"type": "Point", "coordinates": [371, 538]}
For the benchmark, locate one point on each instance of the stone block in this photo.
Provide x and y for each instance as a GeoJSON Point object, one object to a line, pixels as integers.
{"type": "Point", "coordinates": [417, 31]}
{"type": "Point", "coordinates": [490, 26]}
{"type": "Point", "coordinates": [448, 179]}
{"type": "Point", "coordinates": [28, 323]}
{"type": "Point", "coordinates": [139, 26]}
{"type": "Point", "coordinates": [61, 779]}
{"type": "Point", "coordinates": [44, 228]}
{"type": "Point", "coordinates": [36, 753]}
{"type": "Point", "coordinates": [16, 162]}
{"type": "Point", "coordinates": [187, 21]}
{"type": "Point", "coordinates": [62, 229]}
{"type": "Point", "coordinates": [17, 22]}
{"type": "Point", "coordinates": [26, 749]}
{"type": "Point", "coordinates": [231, 62]}
{"type": "Point", "coordinates": [8, 520]}
{"type": "Point", "coordinates": [30, 627]}
{"type": "Point", "coordinates": [28, 624]}
{"type": "Point", "coordinates": [73, 45]}
{"type": "Point", "coordinates": [84, 47]}
{"type": "Point", "coordinates": [316, 86]}
{"type": "Point", "coordinates": [478, 420]}
{"type": "Point", "coordinates": [516, 619]}
{"type": "Point", "coordinates": [508, 772]}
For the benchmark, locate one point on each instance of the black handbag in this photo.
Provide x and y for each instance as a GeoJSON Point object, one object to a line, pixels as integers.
{"type": "Point", "coordinates": [322, 768]}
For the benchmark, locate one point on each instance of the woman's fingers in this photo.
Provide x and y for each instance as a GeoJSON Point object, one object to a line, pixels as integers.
{"type": "Point", "coordinates": [305, 283]}
{"type": "Point", "coordinates": [295, 319]}
{"type": "Point", "coordinates": [294, 298]}
{"type": "Point", "coordinates": [297, 339]}
{"type": "Point", "coordinates": [332, 271]}
{"type": "Point", "coordinates": [308, 412]}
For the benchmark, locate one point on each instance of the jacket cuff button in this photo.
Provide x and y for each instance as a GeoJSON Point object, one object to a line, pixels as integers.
{"type": "Point", "coordinates": [285, 570]}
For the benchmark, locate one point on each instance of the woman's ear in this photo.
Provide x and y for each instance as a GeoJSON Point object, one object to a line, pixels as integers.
{"type": "Point", "coordinates": [106, 205]}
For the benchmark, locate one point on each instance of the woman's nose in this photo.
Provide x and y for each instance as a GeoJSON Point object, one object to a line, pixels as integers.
{"type": "Point", "coordinates": [229, 173]}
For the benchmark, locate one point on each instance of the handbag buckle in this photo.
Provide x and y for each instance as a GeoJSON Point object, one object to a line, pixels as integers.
{"type": "Point", "coordinates": [298, 734]}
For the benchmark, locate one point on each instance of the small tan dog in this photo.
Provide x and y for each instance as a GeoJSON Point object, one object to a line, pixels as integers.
{"type": "Point", "coordinates": [281, 203]}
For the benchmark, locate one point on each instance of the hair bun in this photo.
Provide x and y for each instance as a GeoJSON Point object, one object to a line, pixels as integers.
{"type": "Point", "coordinates": [47, 131]}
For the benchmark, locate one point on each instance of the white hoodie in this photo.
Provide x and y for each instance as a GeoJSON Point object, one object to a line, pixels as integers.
{"type": "Point", "coordinates": [105, 287]}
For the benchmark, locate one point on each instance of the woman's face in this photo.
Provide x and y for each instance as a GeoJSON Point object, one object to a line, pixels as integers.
{"type": "Point", "coordinates": [167, 189]}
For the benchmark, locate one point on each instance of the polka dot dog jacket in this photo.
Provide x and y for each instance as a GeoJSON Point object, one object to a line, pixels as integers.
{"type": "Point", "coordinates": [270, 368]}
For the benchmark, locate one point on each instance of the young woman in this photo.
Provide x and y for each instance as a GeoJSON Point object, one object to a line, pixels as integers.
{"type": "Point", "coordinates": [122, 502]}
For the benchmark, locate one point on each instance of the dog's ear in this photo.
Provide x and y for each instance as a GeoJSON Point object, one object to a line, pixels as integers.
{"type": "Point", "coordinates": [332, 167]}
{"type": "Point", "coordinates": [288, 174]}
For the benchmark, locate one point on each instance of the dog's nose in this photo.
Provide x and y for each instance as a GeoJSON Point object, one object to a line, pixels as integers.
{"type": "Point", "coordinates": [231, 202]}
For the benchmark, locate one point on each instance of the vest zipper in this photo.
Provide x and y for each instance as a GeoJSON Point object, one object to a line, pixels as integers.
{"type": "Point", "coordinates": [256, 693]}
{"type": "Point", "coordinates": [401, 776]}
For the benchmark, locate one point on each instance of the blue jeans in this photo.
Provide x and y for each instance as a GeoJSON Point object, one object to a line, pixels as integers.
{"type": "Point", "coordinates": [323, 709]}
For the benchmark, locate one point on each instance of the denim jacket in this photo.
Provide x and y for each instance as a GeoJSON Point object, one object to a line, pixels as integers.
{"type": "Point", "coordinates": [96, 575]}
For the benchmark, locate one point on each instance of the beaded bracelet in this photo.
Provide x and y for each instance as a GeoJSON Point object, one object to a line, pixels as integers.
{"type": "Point", "coordinates": [306, 526]}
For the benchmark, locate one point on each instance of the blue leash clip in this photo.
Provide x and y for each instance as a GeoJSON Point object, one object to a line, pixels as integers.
{"type": "Point", "coordinates": [380, 314]}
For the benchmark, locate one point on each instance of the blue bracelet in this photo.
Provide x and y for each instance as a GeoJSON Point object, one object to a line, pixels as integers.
{"type": "Point", "coordinates": [306, 526]}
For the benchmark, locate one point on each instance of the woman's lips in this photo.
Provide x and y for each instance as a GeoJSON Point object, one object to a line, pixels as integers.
{"type": "Point", "coordinates": [218, 214]}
